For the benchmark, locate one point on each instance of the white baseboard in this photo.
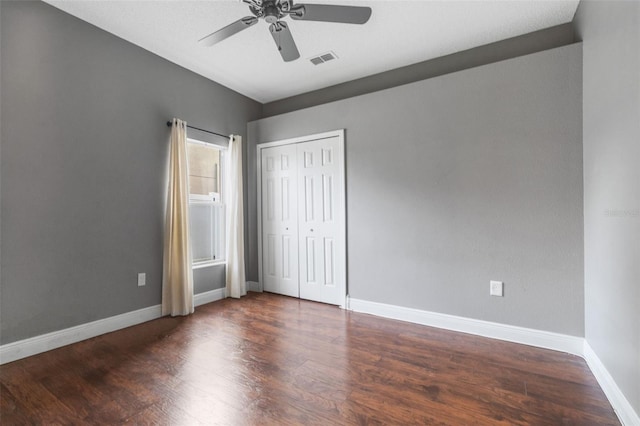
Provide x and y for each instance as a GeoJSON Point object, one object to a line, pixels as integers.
{"type": "Point", "coordinates": [510, 333]}
{"type": "Point", "coordinates": [543, 339]}
{"type": "Point", "coordinates": [45, 342]}
{"type": "Point", "coordinates": [209, 296]}
{"type": "Point", "coordinates": [254, 286]}
{"type": "Point", "coordinates": [620, 404]}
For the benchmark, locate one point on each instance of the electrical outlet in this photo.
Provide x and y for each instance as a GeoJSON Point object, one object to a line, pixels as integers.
{"type": "Point", "coordinates": [496, 288]}
{"type": "Point", "coordinates": [142, 279]}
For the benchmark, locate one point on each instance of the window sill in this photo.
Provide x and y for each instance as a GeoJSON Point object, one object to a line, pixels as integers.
{"type": "Point", "coordinates": [201, 265]}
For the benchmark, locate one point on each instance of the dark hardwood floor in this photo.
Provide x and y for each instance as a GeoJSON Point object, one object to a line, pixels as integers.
{"type": "Point", "coordinates": [268, 359]}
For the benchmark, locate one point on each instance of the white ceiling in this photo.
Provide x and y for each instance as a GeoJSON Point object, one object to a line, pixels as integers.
{"type": "Point", "coordinates": [399, 33]}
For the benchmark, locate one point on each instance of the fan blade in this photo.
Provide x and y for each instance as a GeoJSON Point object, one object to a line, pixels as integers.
{"type": "Point", "coordinates": [228, 31]}
{"type": "Point", "coordinates": [331, 13]}
{"type": "Point", "coordinates": [284, 40]}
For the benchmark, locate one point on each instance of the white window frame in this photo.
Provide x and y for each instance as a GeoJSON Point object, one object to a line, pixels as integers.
{"type": "Point", "coordinates": [206, 200]}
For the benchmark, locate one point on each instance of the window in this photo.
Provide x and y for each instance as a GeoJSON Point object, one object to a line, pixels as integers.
{"type": "Point", "coordinates": [206, 221]}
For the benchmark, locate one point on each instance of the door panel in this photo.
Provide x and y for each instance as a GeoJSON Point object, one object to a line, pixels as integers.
{"type": "Point", "coordinates": [329, 274]}
{"type": "Point", "coordinates": [321, 195]}
{"type": "Point", "coordinates": [279, 224]}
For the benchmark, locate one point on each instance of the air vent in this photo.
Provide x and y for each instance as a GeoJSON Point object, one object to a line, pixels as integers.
{"type": "Point", "coordinates": [325, 57]}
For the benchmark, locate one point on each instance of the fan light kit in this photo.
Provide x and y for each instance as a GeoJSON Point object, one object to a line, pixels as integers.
{"type": "Point", "coordinates": [273, 11]}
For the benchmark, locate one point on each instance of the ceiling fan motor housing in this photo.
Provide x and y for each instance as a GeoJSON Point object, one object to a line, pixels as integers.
{"type": "Point", "coordinates": [271, 10]}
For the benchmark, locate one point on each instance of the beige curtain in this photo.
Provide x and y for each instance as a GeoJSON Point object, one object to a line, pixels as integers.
{"type": "Point", "coordinates": [236, 285]}
{"type": "Point", "coordinates": [177, 276]}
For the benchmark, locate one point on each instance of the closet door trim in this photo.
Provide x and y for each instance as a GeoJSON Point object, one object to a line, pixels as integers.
{"type": "Point", "coordinates": [343, 234]}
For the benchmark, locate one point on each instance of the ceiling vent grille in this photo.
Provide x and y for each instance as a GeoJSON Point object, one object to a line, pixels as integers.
{"type": "Point", "coordinates": [325, 57]}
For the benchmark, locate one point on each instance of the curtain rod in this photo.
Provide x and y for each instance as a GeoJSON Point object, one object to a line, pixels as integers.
{"type": "Point", "coordinates": [169, 124]}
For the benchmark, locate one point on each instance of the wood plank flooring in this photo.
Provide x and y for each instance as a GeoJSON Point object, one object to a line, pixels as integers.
{"type": "Point", "coordinates": [268, 359]}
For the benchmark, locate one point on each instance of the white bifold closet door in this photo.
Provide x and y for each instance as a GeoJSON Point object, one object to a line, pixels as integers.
{"type": "Point", "coordinates": [303, 220]}
{"type": "Point", "coordinates": [280, 220]}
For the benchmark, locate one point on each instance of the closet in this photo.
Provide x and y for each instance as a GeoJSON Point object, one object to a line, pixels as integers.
{"type": "Point", "coordinates": [301, 200]}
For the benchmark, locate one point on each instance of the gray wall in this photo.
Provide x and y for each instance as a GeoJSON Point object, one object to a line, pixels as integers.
{"type": "Point", "coordinates": [611, 93]}
{"type": "Point", "coordinates": [457, 180]}
{"type": "Point", "coordinates": [84, 154]}
{"type": "Point", "coordinates": [537, 41]}
{"type": "Point", "coordinates": [0, 173]}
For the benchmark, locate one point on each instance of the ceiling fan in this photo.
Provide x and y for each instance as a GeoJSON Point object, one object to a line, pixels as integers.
{"type": "Point", "coordinates": [273, 11]}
